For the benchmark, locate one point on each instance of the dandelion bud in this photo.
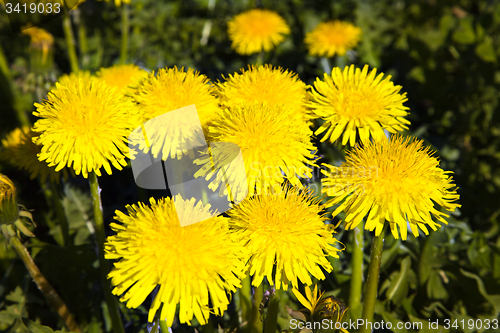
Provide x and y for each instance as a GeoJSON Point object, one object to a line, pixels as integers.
{"type": "Point", "coordinates": [41, 49]}
{"type": "Point", "coordinates": [329, 307]}
{"type": "Point", "coordinates": [9, 212]}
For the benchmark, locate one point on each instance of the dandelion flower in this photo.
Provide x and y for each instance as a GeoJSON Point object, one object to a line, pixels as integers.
{"type": "Point", "coordinates": [173, 88]}
{"type": "Point", "coordinates": [275, 86]}
{"type": "Point", "coordinates": [122, 76]}
{"type": "Point", "coordinates": [192, 266]}
{"type": "Point", "coordinates": [20, 151]}
{"type": "Point", "coordinates": [84, 124]}
{"type": "Point", "coordinates": [274, 144]}
{"type": "Point", "coordinates": [355, 101]}
{"type": "Point", "coordinates": [330, 38]}
{"type": "Point", "coordinates": [284, 233]}
{"type": "Point", "coordinates": [257, 30]}
{"type": "Point", "coordinates": [395, 180]}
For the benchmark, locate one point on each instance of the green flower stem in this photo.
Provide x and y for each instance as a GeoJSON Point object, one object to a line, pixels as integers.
{"type": "Point", "coordinates": [44, 286]}
{"type": "Point", "coordinates": [255, 323]}
{"type": "Point", "coordinates": [273, 308]}
{"type": "Point", "coordinates": [47, 194]}
{"type": "Point", "coordinates": [163, 326]}
{"type": "Point", "coordinates": [260, 58]}
{"type": "Point", "coordinates": [372, 280]}
{"type": "Point", "coordinates": [18, 106]}
{"type": "Point", "coordinates": [17, 103]}
{"type": "Point", "coordinates": [245, 294]}
{"type": "Point", "coordinates": [70, 43]}
{"type": "Point", "coordinates": [83, 41]}
{"type": "Point", "coordinates": [357, 273]}
{"type": "Point", "coordinates": [4, 65]}
{"type": "Point", "coordinates": [125, 30]}
{"type": "Point", "coordinates": [56, 200]}
{"type": "Point", "coordinates": [104, 267]}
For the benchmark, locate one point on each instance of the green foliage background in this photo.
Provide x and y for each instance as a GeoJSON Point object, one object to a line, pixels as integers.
{"type": "Point", "coordinates": [445, 54]}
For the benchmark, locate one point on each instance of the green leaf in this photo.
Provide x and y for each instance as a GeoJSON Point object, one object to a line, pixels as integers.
{"type": "Point", "coordinates": [398, 289]}
{"type": "Point", "coordinates": [16, 296]}
{"type": "Point", "coordinates": [417, 73]}
{"type": "Point", "coordinates": [435, 287]}
{"type": "Point", "coordinates": [486, 51]}
{"type": "Point", "coordinates": [492, 299]}
{"type": "Point", "coordinates": [389, 317]}
{"type": "Point", "coordinates": [36, 328]}
{"type": "Point", "coordinates": [78, 209]}
{"type": "Point", "coordinates": [429, 257]}
{"type": "Point", "coordinates": [465, 32]}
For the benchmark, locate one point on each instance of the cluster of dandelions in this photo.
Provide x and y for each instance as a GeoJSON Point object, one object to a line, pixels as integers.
{"type": "Point", "coordinates": [260, 30]}
{"type": "Point", "coordinates": [85, 122]}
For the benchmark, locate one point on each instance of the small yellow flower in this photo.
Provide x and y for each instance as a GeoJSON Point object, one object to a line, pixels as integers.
{"type": "Point", "coordinates": [9, 211]}
{"type": "Point", "coordinates": [122, 76]}
{"type": "Point", "coordinates": [274, 86]}
{"type": "Point", "coordinates": [257, 30]}
{"type": "Point", "coordinates": [20, 151]}
{"type": "Point", "coordinates": [286, 237]}
{"type": "Point", "coordinates": [395, 180]}
{"type": "Point", "coordinates": [354, 101]}
{"type": "Point", "coordinates": [84, 124]}
{"type": "Point", "coordinates": [171, 88]}
{"type": "Point", "coordinates": [192, 266]}
{"type": "Point", "coordinates": [330, 38]}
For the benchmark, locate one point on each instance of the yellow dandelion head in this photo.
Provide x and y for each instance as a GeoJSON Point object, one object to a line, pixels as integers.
{"type": "Point", "coordinates": [357, 101]}
{"type": "Point", "coordinates": [395, 180]}
{"type": "Point", "coordinates": [20, 151]}
{"type": "Point", "coordinates": [84, 124]}
{"type": "Point", "coordinates": [330, 38]}
{"type": "Point", "coordinates": [274, 86]}
{"type": "Point", "coordinates": [122, 76]}
{"type": "Point", "coordinates": [284, 233]}
{"type": "Point", "coordinates": [192, 265]}
{"type": "Point", "coordinates": [257, 30]}
{"type": "Point", "coordinates": [274, 144]}
{"type": "Point", "coordinates": [173, 88]}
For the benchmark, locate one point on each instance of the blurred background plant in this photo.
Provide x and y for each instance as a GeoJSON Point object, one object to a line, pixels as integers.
{"type": "Point", "coordinates": [445, 55]}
